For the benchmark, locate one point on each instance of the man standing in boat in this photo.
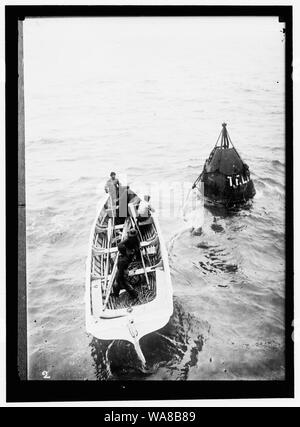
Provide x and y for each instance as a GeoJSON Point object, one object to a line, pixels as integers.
{"type": "Point", "coordinates": [112, 187]}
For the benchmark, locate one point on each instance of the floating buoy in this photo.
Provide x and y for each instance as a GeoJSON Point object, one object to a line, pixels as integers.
{"type": "Point", "coordinates": [225, 176]}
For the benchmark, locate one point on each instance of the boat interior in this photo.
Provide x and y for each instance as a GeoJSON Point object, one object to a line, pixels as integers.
{"type": "Point", "coordinates": [110, 230]}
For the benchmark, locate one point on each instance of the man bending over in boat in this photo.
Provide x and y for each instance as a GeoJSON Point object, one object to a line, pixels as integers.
{"type": "Point", "coordinates": [144, 209]}
{"type": "Point", "coordinates": [131, 245]}
{"type": "Point", "coordinates": [112, 187]}
{"type": "Point", "coordinates": [125, 258]}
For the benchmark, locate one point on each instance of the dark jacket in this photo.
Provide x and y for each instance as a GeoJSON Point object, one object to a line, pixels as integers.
{"type": "Point", "coordinates": [123, 264]}
{"type": "Point", "coordinates": [130, 244]}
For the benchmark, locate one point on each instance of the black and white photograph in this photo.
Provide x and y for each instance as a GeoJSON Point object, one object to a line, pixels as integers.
{"type": "Point", "coordinates": [154, 198]}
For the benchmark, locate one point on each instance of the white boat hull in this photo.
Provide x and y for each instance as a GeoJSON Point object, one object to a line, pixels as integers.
{"type": "Point", "coordinates": [134, 322]}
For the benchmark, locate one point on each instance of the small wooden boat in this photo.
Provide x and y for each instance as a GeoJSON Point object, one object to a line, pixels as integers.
{"type": "Point", "coordinates": [124, 318]}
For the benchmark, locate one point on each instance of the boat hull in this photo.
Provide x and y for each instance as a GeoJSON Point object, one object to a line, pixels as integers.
{"type": "Point", "coordinates": [133, 322]}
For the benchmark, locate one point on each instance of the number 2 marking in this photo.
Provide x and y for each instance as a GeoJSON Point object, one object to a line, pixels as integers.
{"type": "Point", "coordinates": [45, 375]}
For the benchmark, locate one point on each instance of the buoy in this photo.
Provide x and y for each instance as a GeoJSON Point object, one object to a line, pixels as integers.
{"type": "Point", "coordinates": [225, 176]}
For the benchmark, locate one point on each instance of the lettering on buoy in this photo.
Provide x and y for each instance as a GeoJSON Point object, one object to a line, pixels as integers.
{"type": "Point", "coordinates": [238, 180]}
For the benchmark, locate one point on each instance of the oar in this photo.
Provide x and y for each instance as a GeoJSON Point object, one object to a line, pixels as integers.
{"type": "Point", "coordinates": [109, 236]}
{"type": "Point", "coordinates": [141, 253]}
{"type": "Point", "coordinates": [113, 214]}
{"type": "Point", "coordinates": [114, 271]}
{"type": "Point", "coordinates": [135, 224]}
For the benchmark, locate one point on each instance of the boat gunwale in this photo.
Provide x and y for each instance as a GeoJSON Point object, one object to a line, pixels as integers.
{"type": "Point", "coordinates": [90, 246]}
{"type": "Point", "coordinates": [162, 316]}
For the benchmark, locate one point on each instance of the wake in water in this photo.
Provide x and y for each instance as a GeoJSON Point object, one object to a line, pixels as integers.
{"type": "Point", "coordinates": [192, 214]}
{"type": "Point", "coordinates": [170, 352]}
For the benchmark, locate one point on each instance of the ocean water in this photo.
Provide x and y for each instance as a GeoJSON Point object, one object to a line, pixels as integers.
{"type": "Point", "coordinates": [146, 97]}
